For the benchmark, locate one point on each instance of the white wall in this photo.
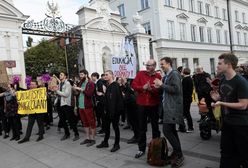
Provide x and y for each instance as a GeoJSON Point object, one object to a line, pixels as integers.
{"type": "Point", "coordinates": [158, 14]}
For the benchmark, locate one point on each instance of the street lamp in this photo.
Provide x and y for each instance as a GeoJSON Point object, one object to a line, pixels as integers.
{"type": "Point", "coordinates": [66, 59]}
{"type": "Point", "coordinates": [229, 24]}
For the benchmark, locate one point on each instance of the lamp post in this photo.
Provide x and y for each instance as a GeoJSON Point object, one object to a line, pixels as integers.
{"type": "Point", "coordinates": [66, 59]}
{"type": "Point", "coordinates": [229, 24]}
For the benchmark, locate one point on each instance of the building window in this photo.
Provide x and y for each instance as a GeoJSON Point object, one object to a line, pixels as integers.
{"type": "Point", "coordinates": [238, 38]}
{"type": "Point", "coordinates": [144, 4]}
{"type": "Point", "coordinates": [226, 37]}
{"type": "Point", "coordinates": [201, 31]}
{"type": "Point", "coordinates": [174, 63]}
{"type": "Point", "coordinates": [209, 32]}
{"type": "Point", "coordinates": [122, 10]}
{"type": "Point", "coordinates": [212, 66]}
{"type": "Point", "coordinates": [237, 16]}
{"type": "Point", "coordinates": [171, 29]}
{"type": "Point", "coordinates": [185, 62]}
{"type": "Point", "coordinates": [180, 4]}
{"type": "Point", "coordinates": [217, 12]}
{"type": "Point", "coordinates": [200, 7]}
{"type": "Point", "coordinates": [218, 37]}
{"type": "Point", "coordinates": [182, 31]}
{"type": "Point", "coordinates": [195, 62]}
{"type": "Point", "coordinates": [192, 5]}
{"type": "Point", "coordinates": [244, 17]}
{"type": "Point", "coordinates": [245, 38]}
{"type": "Point", "coordinates": [168, 2]}
{"type": "Point", "coordinates": [224, 14]}
{"type": "Point", "coordinates": [207, 6]}
{"type": "Point", "coordinates": [193, 32]}
{"type": "Point", "coordinates": [147, 27]}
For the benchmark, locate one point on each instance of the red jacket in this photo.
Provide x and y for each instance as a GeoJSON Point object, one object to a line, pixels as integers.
{"type": "Point", "coordinates": [146, 98]}
{"type": "Point", "coordinates": [88, 94]}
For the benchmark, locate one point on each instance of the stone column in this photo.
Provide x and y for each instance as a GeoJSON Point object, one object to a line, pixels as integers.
{"type": "Point", "coordinates": [143, 50]}
{"type": "Point", "coordinates": [142, 39]}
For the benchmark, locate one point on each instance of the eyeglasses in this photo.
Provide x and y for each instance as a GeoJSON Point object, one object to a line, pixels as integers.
{"type": "Point", "coordinates": [148, 65]}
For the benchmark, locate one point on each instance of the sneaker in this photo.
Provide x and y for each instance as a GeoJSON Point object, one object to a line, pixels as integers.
{"type": "Point", "coordinates": [177, 162]}
{"type": "Point", "coordinates": [65, 137]}
{"type": "Point", "coordinates": [133, 140]}
{"type": "Point", "coordinates": [103, 145]}
{"type": "Point", "coordinates": [85, 142]}
{"type": "Point", "coordinates": [23, 140]}
{"type": "Point", "coordinates": [6, 135]}
{"type": "Point", "coordinates": [92, 142]}
{"type": "Point", "coordinates": [139, 154]}
{"type": "Point", "coordinates": [126, 127]}
{"type": "Point", "coordinates": [59, 130]}
{"type": "Point", "coordinates": [76, 138]}
{"type": "Point", "coordinates": [39, 138]}
{"type": "Point", "coordinates": [100, 132]}
{"type": "Point", "coordinates": [190, 130]}
{"type": "Point", "coordinates": [115, 148]}
{"type": "Point", "coordinates": [121, 123]}
{"type": "Point", "coordinates": [182, 130]}
{"type": "Point", "coordinates": [13, 138]}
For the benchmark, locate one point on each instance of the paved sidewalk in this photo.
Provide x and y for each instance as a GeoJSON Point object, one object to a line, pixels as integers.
{"type": "Point", "coordinates": [52, 153]}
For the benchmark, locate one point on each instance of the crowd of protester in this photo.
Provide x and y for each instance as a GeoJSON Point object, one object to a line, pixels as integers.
{"type": "Point", "coordinates": [152, 97]}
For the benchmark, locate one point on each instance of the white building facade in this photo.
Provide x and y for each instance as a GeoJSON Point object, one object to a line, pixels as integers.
{"type": "Point", "coordinates": [11, 42]}
{"type": "Point", "coordinates": [103, 36]}
{"type": "Point", "coordinates": [192, 32]}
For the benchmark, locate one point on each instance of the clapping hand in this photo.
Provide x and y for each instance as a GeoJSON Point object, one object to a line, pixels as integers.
{"type": "Point", "coordinates": [215, 95]}
{"type": "Point", "coordinates": [157, 83]}
{"type": "Point", "coordinates": [147, 86]}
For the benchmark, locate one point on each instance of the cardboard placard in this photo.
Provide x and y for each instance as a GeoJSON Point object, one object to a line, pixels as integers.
{"type": "Point", "coordinates": [4, 79]}
{"type": "Point", "coordinates": [52, 83]}
{"type": "Point", "coordinates": [32, 101]}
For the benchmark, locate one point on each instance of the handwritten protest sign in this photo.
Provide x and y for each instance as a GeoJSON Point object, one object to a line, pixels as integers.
{"type": "Point", "coordinates": [4, 80]}
{"type": "Point", "coordinates": [32, 101]}
{"type": "Point", "coordinates": [52, 83]}
{"type": "Point", "coordinates": [125, 65]}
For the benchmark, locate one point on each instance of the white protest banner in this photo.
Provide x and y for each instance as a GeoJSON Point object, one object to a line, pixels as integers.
{"type": "Point", "coordinates": [124, 65]}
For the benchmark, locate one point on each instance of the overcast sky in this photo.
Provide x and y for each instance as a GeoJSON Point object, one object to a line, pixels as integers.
{"type": "Point", "coordinates": [36, 9]}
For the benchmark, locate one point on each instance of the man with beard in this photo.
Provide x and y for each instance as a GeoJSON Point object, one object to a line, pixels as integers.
{"type": "Point", "coordinates": [85, 103]}
{"type": "Point", "coordinates": [113, 107]}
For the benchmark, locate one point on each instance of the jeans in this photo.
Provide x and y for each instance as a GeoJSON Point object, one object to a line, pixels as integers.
{"type": "Point", "coordinates": [170, 133]}
{"type": "Point", "coordinates": [143, 113]}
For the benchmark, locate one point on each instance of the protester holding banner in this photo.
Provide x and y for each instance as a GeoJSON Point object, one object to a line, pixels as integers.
{"type": "Point", "coordinates": [64, 92]}
{"type": "Point", "coordinates": [148, 100]}
{"type": "Point", "coordinates": [39, 117]}
{"type": "Point", "coordinates": [10, 111]}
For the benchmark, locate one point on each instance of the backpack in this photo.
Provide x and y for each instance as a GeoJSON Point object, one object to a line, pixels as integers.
{"type": "Point", "coordinates": [157, 152]}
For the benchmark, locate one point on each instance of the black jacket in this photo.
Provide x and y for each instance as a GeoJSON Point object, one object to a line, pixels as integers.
{"type": "Point", "coordinates": [113, 100]}
{"type": "Point", "coordinates": [201, 84]}
{"type": "Point", "coordinates": [187, 83]}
